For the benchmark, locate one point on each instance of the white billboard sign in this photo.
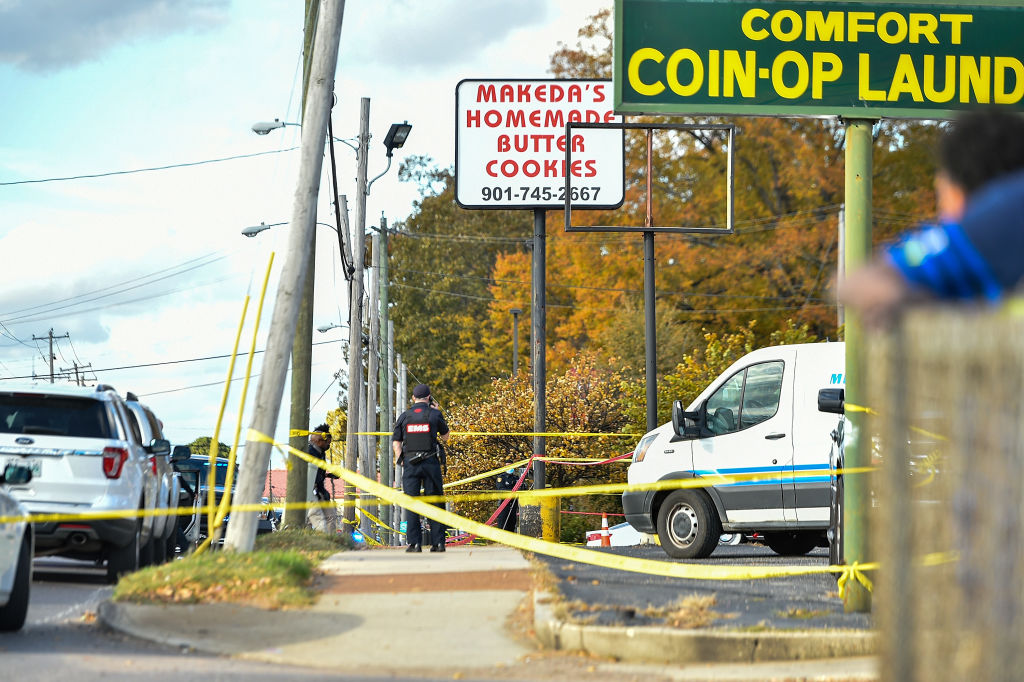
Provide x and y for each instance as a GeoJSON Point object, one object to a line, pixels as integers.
{"type": "Point", "coordinates": [510, 145]}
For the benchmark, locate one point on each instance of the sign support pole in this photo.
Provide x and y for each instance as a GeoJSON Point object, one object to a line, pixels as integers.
{"type": "Point", "coordinates": [857, 503]}
{"type": "Point", "coordinates": [539, 353]}
{"type": "Point", "coordinates": [650, 319]}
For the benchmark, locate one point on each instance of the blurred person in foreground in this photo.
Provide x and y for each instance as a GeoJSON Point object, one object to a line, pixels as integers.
{"type": "Point", "coordinates": [976, 251]}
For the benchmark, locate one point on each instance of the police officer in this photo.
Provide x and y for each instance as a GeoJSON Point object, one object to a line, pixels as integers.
{"type": "Point", "coordinates": [415, 445]}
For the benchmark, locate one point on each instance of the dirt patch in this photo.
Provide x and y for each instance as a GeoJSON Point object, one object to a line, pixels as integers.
{"type": "Point", "coordinates": [426, 582]}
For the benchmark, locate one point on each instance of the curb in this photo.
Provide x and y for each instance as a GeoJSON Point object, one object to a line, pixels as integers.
{"type": "Point", "coordinates": [114, 617]}
{"type": "Point", "coordinates": [670, 645]}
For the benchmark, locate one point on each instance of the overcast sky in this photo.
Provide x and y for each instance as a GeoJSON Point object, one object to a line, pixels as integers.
{"type": "Point", "coordinates": [150, 267]}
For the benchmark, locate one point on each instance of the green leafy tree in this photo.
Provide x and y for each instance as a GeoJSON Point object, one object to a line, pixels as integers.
{"type": "Point", "coordinates": [201, 446]}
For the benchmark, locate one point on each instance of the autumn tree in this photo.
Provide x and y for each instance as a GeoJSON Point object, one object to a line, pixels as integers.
{"type": "Point", "coordinates": [441, 267]}
{"type": "Point", "coordinates": [584, 398]}
{"type": "Point", "coordinates": [458, 273]}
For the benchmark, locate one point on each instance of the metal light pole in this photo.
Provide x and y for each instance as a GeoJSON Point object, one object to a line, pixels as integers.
{"type": "Point", "coordinates": [515, 340]}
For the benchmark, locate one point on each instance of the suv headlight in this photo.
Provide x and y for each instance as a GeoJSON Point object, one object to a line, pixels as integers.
{"type": "Point", "coordinates": [641, 449]}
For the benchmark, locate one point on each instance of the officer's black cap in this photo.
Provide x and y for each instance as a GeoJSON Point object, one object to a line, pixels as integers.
{"type": "Point", "coordinates": [421, 391]}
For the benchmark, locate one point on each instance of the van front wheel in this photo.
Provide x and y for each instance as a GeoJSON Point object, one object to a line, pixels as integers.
{"type": "Point", "coordinates": [688, 526]}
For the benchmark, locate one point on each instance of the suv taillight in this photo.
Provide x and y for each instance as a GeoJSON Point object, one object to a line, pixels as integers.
{"type": "Point", "coordinates": [113, 461]}
{"type": "Point", "coordinates": [152, 463]}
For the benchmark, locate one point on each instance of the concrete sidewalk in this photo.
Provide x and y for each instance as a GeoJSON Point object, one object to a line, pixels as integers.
{"type": "Point", "coordinates": [453, 609]}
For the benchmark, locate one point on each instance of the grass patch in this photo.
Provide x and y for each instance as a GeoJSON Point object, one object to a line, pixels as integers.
{"type": "Point", "coordinates": [278, 573]}
{"type": "Point", "coordinates": [311, 543]}
{"type": "Point", "coordinates": [689, 612]}
{"type": "Point", "coordinates": [803, 614]}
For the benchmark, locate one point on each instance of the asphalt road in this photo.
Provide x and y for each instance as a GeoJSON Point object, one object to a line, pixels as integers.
{"type": "Point", "coordinates": [61, 641]}
{"type": "Point", "coordinates": [609, 596]}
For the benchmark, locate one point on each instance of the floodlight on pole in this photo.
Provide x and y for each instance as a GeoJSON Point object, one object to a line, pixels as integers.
{"type": "Point", "coordinates": [398, 133]}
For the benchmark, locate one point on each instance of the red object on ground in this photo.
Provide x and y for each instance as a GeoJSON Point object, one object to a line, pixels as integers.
{"type": "Point", "coordinates": [606, 537]}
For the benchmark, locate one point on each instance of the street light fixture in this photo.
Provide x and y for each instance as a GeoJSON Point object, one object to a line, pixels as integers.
{"type": "Point", "coordinates": [254, 230]}
{"type": "Point", "coordinates": [329, 327]}
{"type": "Point", "coordinates": [398, 133]}
{"type": "Point", "coordinates": [264, 127]}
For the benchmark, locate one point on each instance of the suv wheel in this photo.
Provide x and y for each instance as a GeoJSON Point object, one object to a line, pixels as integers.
{"type": "Point", "coordinates": [688, 525]}
{"type": "Point", "coordinates": [12, 616]}
{"type": "Point", "coordinates": [121, 560]}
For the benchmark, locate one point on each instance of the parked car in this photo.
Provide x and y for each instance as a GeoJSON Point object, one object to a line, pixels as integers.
{"type": "Point", "coordinates": [758, 423]}
{"type": "Point", "coordinates": [86, 455]}
{"type": "Point", "coordinates": [166, 488]}
{"type": "Point", "coordinates": [16, 547]}
{"type": "Point", "coordinates": [199, 465]}
{"type": "Point", "coordinates": [923, 464]}
{"type": "Point", "coordinates": [187, 523]}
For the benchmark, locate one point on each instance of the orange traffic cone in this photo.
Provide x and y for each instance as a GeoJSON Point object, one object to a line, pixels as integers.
{"type": "Point", "coordinates": [606, 537]}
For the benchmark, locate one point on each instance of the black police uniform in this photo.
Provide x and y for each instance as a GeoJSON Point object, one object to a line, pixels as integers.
{"type": "Point", "coordinates": [417, 429]}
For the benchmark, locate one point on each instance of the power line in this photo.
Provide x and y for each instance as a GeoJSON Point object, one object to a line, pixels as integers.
{"type": "Point", "coordinates": [43, 315]}
{"type": "Point", "coordinates": [706, 311]}
{"type": "Point", "coordinates": [219, 255]}
{"type": "Point", "coordinates": [171, 362]}
{"type": "Point", "coordinates": [660, 292]}
{"type": "Point", "coordinates": [145, 170]}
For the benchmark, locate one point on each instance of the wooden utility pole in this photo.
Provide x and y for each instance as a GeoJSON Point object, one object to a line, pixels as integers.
{"type": "Point", "coordinates": [75, 367]}
{"type": "Point", "coordinates": [355, 322]}
{"type": "Point", "coordinates": [297, 486]}
{"type": "Point", "coordinates": [241, 532]}
{"type": "Point", "coordinates": [51, 337]}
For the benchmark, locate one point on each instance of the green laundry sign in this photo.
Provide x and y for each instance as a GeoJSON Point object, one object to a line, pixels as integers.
{"type": "Point", "coordinates": [855, 59]}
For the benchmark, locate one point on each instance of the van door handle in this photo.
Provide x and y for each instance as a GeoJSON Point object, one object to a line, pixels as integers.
{"type": "Point", "coordinates": [774, 436]}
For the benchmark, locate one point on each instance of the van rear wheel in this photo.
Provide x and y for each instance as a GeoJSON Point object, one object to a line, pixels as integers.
{"type": "Point", "coordinates": [688, 525]}
{"type": "Point", "coordinates": [792, 543]}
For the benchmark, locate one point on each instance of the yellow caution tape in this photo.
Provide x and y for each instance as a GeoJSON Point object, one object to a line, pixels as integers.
{"type": "Point", "coordinates": [850, 407]}
{"type": "Point", "coordinates": [294, 433]}
{"type": "Point", "coordinates": [855, 572]}
{"type": "Point", "coordinates": [528, 544]}
{"type": "Point", "coordinates": [487, 474]}
{"type": "Point", "coordinates": [377, 521]}
{"type": "Point", "coordinates": [479, 496]}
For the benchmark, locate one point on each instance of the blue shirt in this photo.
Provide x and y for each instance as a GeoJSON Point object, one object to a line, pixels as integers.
{"type": "Point", "coordinates": [982, 256]}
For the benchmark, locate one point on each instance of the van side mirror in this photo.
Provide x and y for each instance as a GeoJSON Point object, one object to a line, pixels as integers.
{"type": "Point", "coordinates": [16, 474]}
{"type": "Point", "coordinates": [831, 400]}
{"type": "Point", "coordinates": [685, 424]}
{"type": "Point", "coordinates": [180, 453]}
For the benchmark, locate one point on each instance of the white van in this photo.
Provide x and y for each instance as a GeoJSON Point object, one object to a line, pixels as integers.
{"type": "Point", "coordinates": [758, 422]}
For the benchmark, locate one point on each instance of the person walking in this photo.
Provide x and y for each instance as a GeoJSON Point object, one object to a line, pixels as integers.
{"type": "Point", "coordinates": [322, 517]}
{"type": "Point", "coordinates": [415, 444]}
